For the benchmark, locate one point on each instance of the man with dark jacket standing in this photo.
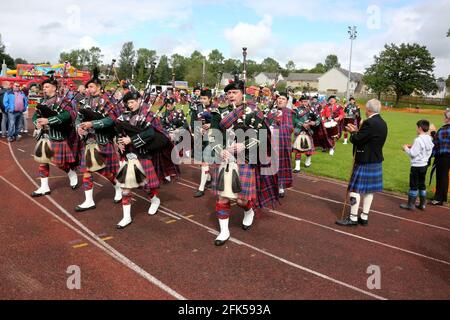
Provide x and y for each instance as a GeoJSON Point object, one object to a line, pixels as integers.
{"type": "Point", "coordinates": [367, 176]}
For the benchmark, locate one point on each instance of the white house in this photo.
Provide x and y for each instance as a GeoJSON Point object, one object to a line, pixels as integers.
{"type": "Point", "coordinates": [226, 77]}
{"type": "Point", "coordinates": [441, 92]}
{"type": "Point", "coordinates": [267, 79]}
{"type": "Point", "coordinates": [335, 81]}
{"type": "Point", "coordinates": [301, 80]}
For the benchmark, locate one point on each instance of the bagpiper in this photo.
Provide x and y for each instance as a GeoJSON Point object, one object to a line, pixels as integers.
{"type": "Point", "coordinates": [202, 136]}
{"type": "Point", "coordinates": [352, 115]}
{"type": "Point", "coordinates": [140, 138]}
{"type": "Point", "coordinates": [246, 182]}
{"type": "Point", "coordinates": [306, 119]}
{"type": "Point", "coordinates": [95, 125]}
{"type": "Point", "coordinates": [53, 121]}
{"type": "Point", "coordinates": [281, 119]}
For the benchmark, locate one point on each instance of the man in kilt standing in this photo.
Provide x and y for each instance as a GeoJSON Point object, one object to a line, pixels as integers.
{"type": "Point", "coordinates": [256, 189]}
{"type": "Point", "coordinates": [95, 125]}
{"type": "Point", "coordinates": [58, 128]}
{"type": "Point", "coordinates": [352, 112]}
{"type": "Point", "coordinates": [281, 118]}
{"type": "Point", "coordinates": [333, 111]}
{"type": "Point", "coordinates": [306, 119]}
{"type": "Point", "coordinates": [367, 175]}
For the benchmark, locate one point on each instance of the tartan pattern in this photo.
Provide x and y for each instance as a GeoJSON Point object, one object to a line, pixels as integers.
{"type": "Point", "coordinates": [247, 178]}
{"type": "Point", "coordinates": [152, 177]}
{"type": "Point", "coordinates": [62, 154]}
{"type": "Point", "coordinates": [267, 186]}
{"type": "Point", "coordinates": [366, 178]}
{"type": "Point", "coordinates": [44, 170]}
{"type": "Point", "coordinates": [442, 141]}
{"type": "Point", "coordinates": [111, 159]}
{"type": "Point", "coordinates": [320, 137]}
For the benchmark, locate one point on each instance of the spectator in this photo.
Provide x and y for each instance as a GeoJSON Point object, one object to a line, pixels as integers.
{"type": "Point", "coordinates": [4, 115]}
{"type": "Point", "coordinates": [441, 153]}
{"type": "Point", "coordinates": [16, 102]}
{"type": "Point", "coordinates": [419, 153]}
{"type": "Point", "coordinates": [24, 121]}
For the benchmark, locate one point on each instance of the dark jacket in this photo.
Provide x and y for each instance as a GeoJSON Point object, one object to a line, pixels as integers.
{"type": "Point", "coordinates": [368, 142]}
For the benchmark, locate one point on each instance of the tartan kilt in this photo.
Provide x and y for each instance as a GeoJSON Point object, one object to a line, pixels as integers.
{"type": "Point", "coordinates": [152, 177]}
{"type": "Point", "coordinates": [321, 139]}
{"type": "Point", "coordinates": [62, 154]}
{"type": "Point", "coordinates": [366, 178]}
{"type": "Point", "coordinates": [285, 167]}
{"type": "Point", "coordinates": [246, 176]}
{"type": "Point", "coordinates": [110, 155]}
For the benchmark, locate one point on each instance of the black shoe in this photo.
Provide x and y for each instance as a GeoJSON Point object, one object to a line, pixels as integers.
{"type": "Point", "coordinates": [219, 243]}
{"type": "Point", "coordinates": [410, 205]}
{"type": "Point", "coordinates": [246, 228]}
{"type": "Point", "coordinates": [117, 201]}
{"type": "Point", "coordinates": [80, 209]}
{"type": "Point", "coordinates": [436, 203]}
{"type": "Point", "coordinates": [281, 195]}
{"type": "Point", "coordinates": [296, 171]}
{"type": "Point", "coordinates": [208, 184]}
{"type": "Point", "coordinates": [199, 194]}
{"type": "Point", "coordinates": [363, 222]}
{"type": "Point", "coordinates": [123, 227]}
{"type": "Point", "coordinates": [74, 187]}
{"type": "Point", "coordinates": [37, 195]}
{"type": "Point", "coordinates": [347, 222]}
{"type": "Point", "coordinates": [421, 205]}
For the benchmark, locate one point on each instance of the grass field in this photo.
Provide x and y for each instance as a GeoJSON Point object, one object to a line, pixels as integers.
{"type": "Point", "coordinates": [401, 130]}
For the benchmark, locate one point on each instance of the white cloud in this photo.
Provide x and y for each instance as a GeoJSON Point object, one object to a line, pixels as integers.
{"type": "Point", "coordinates": [256, 37]}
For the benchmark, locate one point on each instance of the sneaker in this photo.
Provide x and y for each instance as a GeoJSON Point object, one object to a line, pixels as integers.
{"type": "Point", "coordinates": [11, 139]}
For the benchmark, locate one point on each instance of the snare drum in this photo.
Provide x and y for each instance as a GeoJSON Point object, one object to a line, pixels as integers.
{"type": "Point", "coordinates": [332, 128]}
{"type": "Point", "coordinates": [349, 120]}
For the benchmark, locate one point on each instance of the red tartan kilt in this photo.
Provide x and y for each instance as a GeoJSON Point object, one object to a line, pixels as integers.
{"type": "Point", "coordinates": [152, 177]}
{"type": "Point", "coordinates": [110, 156]}
{"type": "Point", "coordinates": [62, 154]}
{"type": "Point", "coordinates": [247, 177]}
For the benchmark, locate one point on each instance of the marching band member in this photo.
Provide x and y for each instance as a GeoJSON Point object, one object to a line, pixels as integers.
{"type": "Point", "coordinates": [53, 121]}
{"type": "Point", "coordinates": [352, 114]}
{"type": "Point", "coordinates": [333, 114]}
{"type": "Point", "coordinates": [140, 137]}
{"type": "Point", "coordinates": [205, 117]}
{"type": "Point", "coordinates": [95, 125]}
{"type": "Point", "coordinates": [281, 118]}
{"type": "Point", "coordinates": [306, 119]}
{"type": "Point", "coordinates": [242, 182]}
{"type": "Point", "coordinates": [367, 175]}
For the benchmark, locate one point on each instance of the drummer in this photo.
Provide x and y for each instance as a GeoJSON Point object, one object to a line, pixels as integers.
{"type": "Point", "coordinates": [352, 116]}
{"type": "Point", "coordinates": [333, 114]}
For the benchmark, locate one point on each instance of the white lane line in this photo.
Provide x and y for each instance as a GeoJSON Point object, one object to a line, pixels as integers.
{"type": "Point", "coordinates": [356, 236]}
{"type": "Point", "coordinates": [98, 184]}
{"type": "Point", "coordinates": [312, 178]}
{"type": "Point", "coordinates": [21, 150]}
{"type": "Point", "coordinates": [101, 245]}
{"type": "Point", "coordinates": [290, 263]}
{"type": "Point", "coordinates": [279, 213]}
{"type": "Point", "coordinates": [371, 210]}
{"type": "Point", "coordinates": [113, 252]}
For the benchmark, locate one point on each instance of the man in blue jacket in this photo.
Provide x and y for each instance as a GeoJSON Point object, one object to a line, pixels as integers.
{"type": "Point", "coordinates": [16, 103]}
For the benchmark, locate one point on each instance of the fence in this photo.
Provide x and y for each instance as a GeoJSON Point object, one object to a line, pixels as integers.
{"type": "Point", "coordinates": [406, 99]}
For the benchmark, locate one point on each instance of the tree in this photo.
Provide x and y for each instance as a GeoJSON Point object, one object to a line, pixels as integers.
{"type": "Point", "coordinates": [232, 65]}
{"type": "Point", "coordinates": [126, 60]}
{"type": "Point", "coordinates": [448, 33]}
{"type": "Point", "coordinates": [447, 82]}
{"type": "Point", "coordinates": [20, 61]}
{"type": "Point", "coordinates": [290, 66]}
{"type": "Point", "coordinates": [375, 79]}
{"type": "Point", "coordinates": [145, 58]}
{"type": "Point", "coordinates": [270, 65]}
{"type": "Point", "coordinates": [406, 69]}
{"type": "Point", "coordinates": [319, 68]}
{"type": "Point", "coordinates": [163, 73]}
{"type": "Point", "coordinates": [179, 66]}
{"type": "Point", "coordinates": [195, 68]}
{"type": "Point", "coordinates": [95, 57]}
{"type": "Point", "coordinates": [331, 61]}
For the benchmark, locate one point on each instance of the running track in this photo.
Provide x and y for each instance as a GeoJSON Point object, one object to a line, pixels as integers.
{"type": "Point", "coordinates": [294, 251]}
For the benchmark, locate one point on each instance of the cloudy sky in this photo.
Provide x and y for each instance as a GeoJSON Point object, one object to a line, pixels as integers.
{"type": "Point", "coordinates": [304, 31]}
